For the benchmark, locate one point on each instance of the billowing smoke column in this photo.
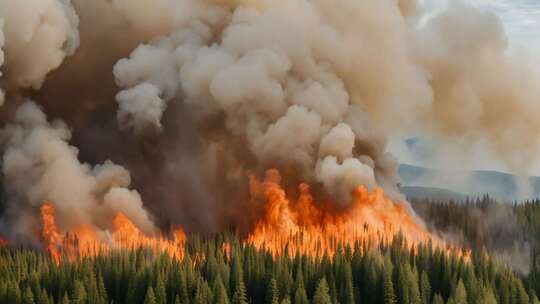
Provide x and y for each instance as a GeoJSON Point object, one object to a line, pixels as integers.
{"type": "Point", "coordinates": [39, 34]}
{"type": "Point", "coordinates": [270, 76]}
{"type": "Point", "coordinates": [39, 164]}
{"type": "Point", "coordinates": [192, 96]}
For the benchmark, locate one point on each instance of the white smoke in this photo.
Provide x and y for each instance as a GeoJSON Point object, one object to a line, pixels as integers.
{"type": "Point", "coordinates": [314, 84]}
{"type": "Point", "coordinates": [39, 165]}
{"type": "Point", "coordinates": [141, 104]}
{"type": "Point", "coordinates": [312, 87]}
{"type": "Point", "coordinates": [270, 76]}
{"type": "Point", "coordinates": [39, 34]}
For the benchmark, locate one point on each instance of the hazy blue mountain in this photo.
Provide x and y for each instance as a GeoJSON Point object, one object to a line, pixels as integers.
{"type": "Point", "coordinates": [436, 194]}
{"type": "Point", "coordinates": [420, 182]}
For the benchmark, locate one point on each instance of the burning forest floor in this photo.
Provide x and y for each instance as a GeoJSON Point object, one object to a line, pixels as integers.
{"type": "Point", "coordinates": [274, 263]}
{"type": "Point", "coordinates": [226, 269]}
{"type": "Point", "coordinates": [287, 227]}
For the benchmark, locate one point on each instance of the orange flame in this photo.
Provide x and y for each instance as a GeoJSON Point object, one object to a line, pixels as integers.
{"type": "Point", "coordinates": [302, 226]}
{"type": "Point", "coordinates": [50, 234]}
{"type": "Point", "coordinates": [287, 227]}
{"type": "Point", "coordinates": [85, 242]}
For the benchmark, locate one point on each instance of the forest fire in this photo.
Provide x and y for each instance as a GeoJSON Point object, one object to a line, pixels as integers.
{"type": "Point", "coordinates": [84, 241]}
{"type": "Point", "coordinates": [287, 227]}
{"type": "Point", "coordinates": [290, 227]}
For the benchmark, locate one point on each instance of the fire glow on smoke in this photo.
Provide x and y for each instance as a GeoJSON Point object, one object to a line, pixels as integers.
{"type": "Point", "coordinates": [189, 95]}
{"type": "Point", "coordinates": [287, 227]}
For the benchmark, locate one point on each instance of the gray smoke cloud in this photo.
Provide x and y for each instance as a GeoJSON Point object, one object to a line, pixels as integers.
{"type": "Point", "coordinates": [482, 91]}
{"type": "Point", "coordinates": [270, 76]}
{"type": "Point", "coordinates": [208, 91]}
{"type": "Point", "coordinates": [39, 165]}
{"type": "Point", "coordinates": [290, 78]}
{"type": "Point", "coordinates": [39, 34]}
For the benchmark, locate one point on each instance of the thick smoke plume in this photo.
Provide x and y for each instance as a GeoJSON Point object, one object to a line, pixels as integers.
{"type": "Point", "coordinates": [39, 34]}
{"type": "Point", "coordinates": [39, 164]}
{"type": "Point", "coordinates": [192, 96]}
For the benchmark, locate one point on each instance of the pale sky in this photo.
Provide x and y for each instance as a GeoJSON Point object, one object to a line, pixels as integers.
{"type": "Point", "coordinates": [521, 19]}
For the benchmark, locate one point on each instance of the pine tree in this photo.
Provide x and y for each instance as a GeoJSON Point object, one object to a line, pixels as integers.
{"type": "Point", "coordinates": [300, 296]}
{"type": "Point", "coordinates": [321, 293]}
{"type": "Point", "coordinates": [286, 300]}
{"type": "Point", "coordinates": [487, 297]}
{"type": "Point", "coordinates": [13, 293]}
{"type": "Point", "coordinates": [150, 297]}
{"type": "Point", "coordinates": [425, 288]}
{"type": "Point", "coordinates": [203, 293]}
{"type": "Point", "coordinates": [414, 290]}
{"type": "Point", "coordinates": [220, 293]}
{"type": "Point", "coordinates": [183, 288]}
{"type": "Point", "coordinates": [389, 295]}
{"type": "Point", "coordinates": [347, 293]}
{"type": "Point", "coordinates": [460, 294]}
{"type": "Point", "coordinates": [240, 296]}
{"type": "Point", "coordinates": [3, 292]}
{"type": "Point", "coordinates": [103, 298]}
{"type": "Point", "coordinates": [437, 299]}
{"type": "Point", "coordinates": [28, 296]}
{"type": "Point", "coordinates": [403, 284]}
{"type": "Point", "coordinates": [42, 297]}
{"type": "Point", "coordinates": [160, 292]}
{"type": "Point", "coordinates": [534, 298]}
{"type": "Point", "coordinates": [523, 297]}
{"type": "Point", "coordinates": [65, 299]}
{"type": "Point", "coordinates": [79, 293]}
{"type": "Point", "coordinates": [236, 273]}
{"type": "Point", "coordinates": [272, 293]}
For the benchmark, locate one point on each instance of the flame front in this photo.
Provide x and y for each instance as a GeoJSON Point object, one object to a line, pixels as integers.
{"type": "Point", "coordinates": [302, 226]}
{"type": "Point", "coordinates": [85, 242]}
{"type": "Point", "coordinates": [287, 227]}
{"type": "Point", "coordinates": [50, 234]}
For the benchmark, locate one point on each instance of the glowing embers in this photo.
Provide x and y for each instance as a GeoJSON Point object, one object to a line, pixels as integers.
{"type": "Point", "coordinates": [305, 227]}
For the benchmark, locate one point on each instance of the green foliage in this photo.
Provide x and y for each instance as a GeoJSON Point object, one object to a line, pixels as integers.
{"type": "Point", "coordinates": [460, 294]}
{"type": "Point", "coordinates": [150, 297]}
{"type": "Point", "coordinates": [389, 295]}
{"type": "Point", "coordinates": [272, 293]}
{"type": "Point", "coordinates": [300, 296]}
{"type": "Point", "coordinates": [437, 299]}
{"type": "Point", "coordinates": [388, 274]}
{"type": "Point", "coordinates": [28, 296]}
{"type": "Point", "coordinates": [321, 294]}
{"type": "Point", "coordinates": [240, 296]}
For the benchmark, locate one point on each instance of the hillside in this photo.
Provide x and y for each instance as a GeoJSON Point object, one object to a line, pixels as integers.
{"type": "Point", "coordinates": [420, 182]}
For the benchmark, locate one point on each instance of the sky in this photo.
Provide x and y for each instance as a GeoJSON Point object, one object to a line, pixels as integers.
{"type": "Point", "coordinates": [521, 19]}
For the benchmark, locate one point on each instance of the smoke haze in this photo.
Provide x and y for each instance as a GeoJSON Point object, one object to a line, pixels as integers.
{"type": "Point", "coordinates": [189, 97]}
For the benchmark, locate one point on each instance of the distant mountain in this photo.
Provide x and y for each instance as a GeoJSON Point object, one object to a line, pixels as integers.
{"type": "Point", "coordinates": [420, 182]}
{"type": "Point", "coordinates": [436, 194]}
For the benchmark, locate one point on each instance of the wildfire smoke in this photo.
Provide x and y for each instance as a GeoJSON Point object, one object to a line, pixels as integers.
{"type": "Point", "coordinates": [190, 96]}
{"type": "Point", "coordinates": [286, 227]}
{"type": "Point", "coordinates": [84, 241]}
